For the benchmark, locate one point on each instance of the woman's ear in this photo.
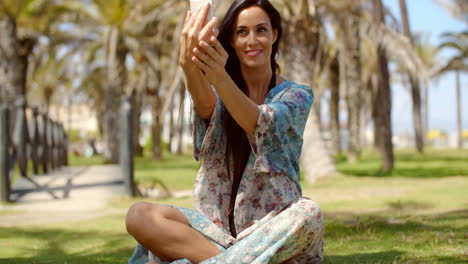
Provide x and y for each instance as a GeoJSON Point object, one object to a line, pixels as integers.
{"type": "Point", "coordinates": [275, 35]}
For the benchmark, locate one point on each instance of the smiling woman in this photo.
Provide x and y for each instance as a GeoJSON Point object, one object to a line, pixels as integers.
{"type": "Point", "coordinates": [248, 128]}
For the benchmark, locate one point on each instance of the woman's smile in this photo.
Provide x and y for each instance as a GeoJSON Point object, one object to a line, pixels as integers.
{"type": "Point", "coordinates": [253, 52]}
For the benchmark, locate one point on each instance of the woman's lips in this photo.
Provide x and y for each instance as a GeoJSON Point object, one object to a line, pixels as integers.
{"type": "Point", "coordinates": [253, 53]}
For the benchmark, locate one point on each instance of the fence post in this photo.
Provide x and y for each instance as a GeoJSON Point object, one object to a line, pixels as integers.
{"type": "Point", "coordinates": [44, 147]}
{"type": "Point", "coordinates": [126, 151]}
{"type": "Point", "coordinates": [20, 136]}
{"type": "Point", "coordinates": [4, 155]}
{"type": "Point", "coordinates": [35, 142]}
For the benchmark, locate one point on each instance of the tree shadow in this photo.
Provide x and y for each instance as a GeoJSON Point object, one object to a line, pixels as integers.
{"type": "Point", "coordinates": [408, 205]}
{"type": "Point", "coordinates": [63, 246]}
{"type": "Point", "coordinates": [432, 164]}
{"type": "Point", "coordinates": [362, 258]}
{"type": "Point", "coordinates": [379, 237]}
{"type": "Point", "coordinates": [408, 172]}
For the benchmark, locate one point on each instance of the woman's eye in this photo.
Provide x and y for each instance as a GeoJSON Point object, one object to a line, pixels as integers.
{"type": "Point", "coordinates": [241, 31]}
{"type": "Point", "coordinates": [262, 29]}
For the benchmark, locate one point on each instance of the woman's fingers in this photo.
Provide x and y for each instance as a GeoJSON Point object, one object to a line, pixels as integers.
{"type": "Point", "coordinates": [205, 58]}
{"type": "Point", "coordinates": [200, 64]}
{"type": "Point", "coordinates": [201, 15]}
{"type": "Point", "coordinates": [217, 45]}
{"type": "Point", "coordinates": [213, 53]}
{"type": "Point", "coordinates": [210, 29]}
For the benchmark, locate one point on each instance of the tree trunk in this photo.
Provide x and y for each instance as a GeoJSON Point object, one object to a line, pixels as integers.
{"type": "Point", "coordinates": [353, 75]}
{"type": "Point", "coordinates": [335, 106]}
{"type": "Point", "coordinates": [137, 98]}
{"type": "Point", "coordinates": [426, 109]}
{"type": "Point", "coordinates": [116, 78]}
{"type": "Point", "coordinates": [156, 128]}
{"type": "Point", "coordinates": [317, 107]}
{"type": "Point", "coordinates": [181, 126]}
{"type": "Point", "coordinates": [171, 125]}
{"type": "Point", "coordinates": [459, 111]}
{"type": "Point", "coordinates": [384, 98]}
{"type": "Point", "coordinates": [415, 90]}
{"type": "Point", "coordinates": [11, 82]}
{"type": "Point", "coordinates": [316, 161]}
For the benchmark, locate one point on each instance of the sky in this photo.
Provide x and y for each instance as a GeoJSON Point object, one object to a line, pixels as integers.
{"type": "Point", "coordinates": [426, 16]}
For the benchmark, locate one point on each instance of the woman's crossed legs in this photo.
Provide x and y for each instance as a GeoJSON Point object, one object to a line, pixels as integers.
{"type": "Point", "coordinates": [166, 232]}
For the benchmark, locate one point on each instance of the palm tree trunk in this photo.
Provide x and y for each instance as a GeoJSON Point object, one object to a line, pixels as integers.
{"type": "Point", "coordinates": [156, 128]}
{"type": "Point", "coordinates": [11, 83]}
{"type": "Point", "coordinates": [384, 98]}
{"type": "Point", "coordinates": [181, 126]}
{"type": "Point", "coordinates": [415, 90]}
{"type": "Point", "coordinates": [171, 125]}
{"type": "Point", "coordinates": [353, 76]}
{"type": "Point", "coordinates": [317, 107]}
{"type": "Point", "coordinates": [459, 111]}
{"type": "Point", "coordinates": [116, 77]}
{"type": "Point", "coordinates": [426, 109]}
{"type": "Point", "coordinates": [137, 98]}
{"type": "Point", "coordinates": [334, 106]}
{"type": "Point", "coordinates": [316, 160]}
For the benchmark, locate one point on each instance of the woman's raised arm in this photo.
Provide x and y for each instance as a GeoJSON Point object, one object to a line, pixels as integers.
{"type": "Point", "coordinates": [195, 30]}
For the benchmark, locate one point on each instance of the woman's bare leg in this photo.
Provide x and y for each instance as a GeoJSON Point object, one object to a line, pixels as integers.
{"type": "Point", "coordinates": [166, 232]}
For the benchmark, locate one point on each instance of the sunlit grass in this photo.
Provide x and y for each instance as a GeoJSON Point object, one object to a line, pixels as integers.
{"type": "Point", "coordinates": [399, 217]}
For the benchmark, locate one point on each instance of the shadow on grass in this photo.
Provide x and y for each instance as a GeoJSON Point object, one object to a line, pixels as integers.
{"type": "Point", "coordinates": [349, 238]}
{"type": "Point", "coordinates": [432, 164]}
{"type": "Point", "coordinates": [378, 257]}
{"type": "Point", "coordinates": [416, 172]}
{"type": "Point", "coordinates": [409, 205]}
{"type": "Point", "coordinates": [391, 256]}
{"type": "Point", "coordinates": [374, 238]}
{"type": "Point", "coordinates": [43, 245]}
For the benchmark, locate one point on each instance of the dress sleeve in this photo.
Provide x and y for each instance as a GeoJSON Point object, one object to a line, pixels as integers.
{"type": "Point", "coordinates": [206, 133]}
{"type": "Point", "coordinates": [277, 140]}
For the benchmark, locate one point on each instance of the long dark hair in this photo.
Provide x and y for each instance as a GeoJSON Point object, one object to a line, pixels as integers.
{"type": "Point", "coordinates": [237, 145]}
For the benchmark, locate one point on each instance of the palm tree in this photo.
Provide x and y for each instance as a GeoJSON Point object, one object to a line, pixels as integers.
{"type": "Point", "coordinates": [51, 75]}
{"type": "Point", "coordinates": [414, 82]}
{"type": "Point", "coordinates": [303, 41]}
{"type": "Point", "coordinates": [334, 75]}
{"type": "Point", "coordinates": [123, 28]}
{"type": "Point", "coordinates": [310, 22]}
{"type": "Point", "coordinates": [429, 56]}
{"type": "Point", "coordinates": [351, 49]}
{"type": "Point", "coordinates": [383, 97]}
{"type": "Point", "coordinates": [456, 8]}
{"type": "Point", "coordinates": [457, 63]}
{"type": "Point", "coordinates": [21, 24]}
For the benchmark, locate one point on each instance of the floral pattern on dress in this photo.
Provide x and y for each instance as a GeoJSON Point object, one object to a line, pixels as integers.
{"type": "Point", "coordinates": [274, 222]}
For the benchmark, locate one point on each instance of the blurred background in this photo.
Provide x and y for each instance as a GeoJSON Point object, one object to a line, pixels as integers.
{"type": "Point", "coordinates": [75, 60]}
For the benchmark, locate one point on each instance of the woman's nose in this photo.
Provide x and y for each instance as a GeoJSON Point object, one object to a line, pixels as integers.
{"type": "Point", "coordinates": [252, 38]}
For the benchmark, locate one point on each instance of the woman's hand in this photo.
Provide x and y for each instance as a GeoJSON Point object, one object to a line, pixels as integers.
{"type": "Point", "coordinates": [193, 32]}
{"type": "Point", "coordinates": [211, 59]}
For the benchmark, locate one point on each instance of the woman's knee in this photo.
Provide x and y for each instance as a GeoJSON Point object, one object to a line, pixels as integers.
{"type": "Point", "coordinates": [311, 215]}
{"type": "Point", "coordinates": [139, 214]}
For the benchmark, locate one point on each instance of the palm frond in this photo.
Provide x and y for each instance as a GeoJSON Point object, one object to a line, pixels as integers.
{"type": "Point", "coordinates": [396, 45]}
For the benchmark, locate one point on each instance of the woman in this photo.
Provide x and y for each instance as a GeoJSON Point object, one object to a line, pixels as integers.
{"type": "Point", "coordinates": [248, 127]}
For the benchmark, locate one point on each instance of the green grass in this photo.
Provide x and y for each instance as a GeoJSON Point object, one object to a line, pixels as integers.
{"type": "Point", "coordinates": [404, 216]}
{"type": "Point", "coordinates": [432, 163]}
{"type": "Point", "coordinates": [174, 172]}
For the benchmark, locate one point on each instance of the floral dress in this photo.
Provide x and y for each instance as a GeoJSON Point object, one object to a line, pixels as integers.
{"type": "Point", "coordinates": [274, 222]}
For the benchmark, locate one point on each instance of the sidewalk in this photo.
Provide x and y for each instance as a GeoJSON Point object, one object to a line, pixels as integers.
{"type": "Point", "coordinates": [80, 193]}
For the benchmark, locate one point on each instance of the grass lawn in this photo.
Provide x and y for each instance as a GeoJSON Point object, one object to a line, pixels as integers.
{"type": "Point", "coordinates": [418, 213]}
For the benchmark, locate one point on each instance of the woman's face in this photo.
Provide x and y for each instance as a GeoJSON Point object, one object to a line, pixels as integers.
{"type": "Point", "coordinates": [253, 37]}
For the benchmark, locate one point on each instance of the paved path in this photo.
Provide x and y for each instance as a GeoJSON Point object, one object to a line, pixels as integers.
{"type": "Point", "coordinates": [80, 193]}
